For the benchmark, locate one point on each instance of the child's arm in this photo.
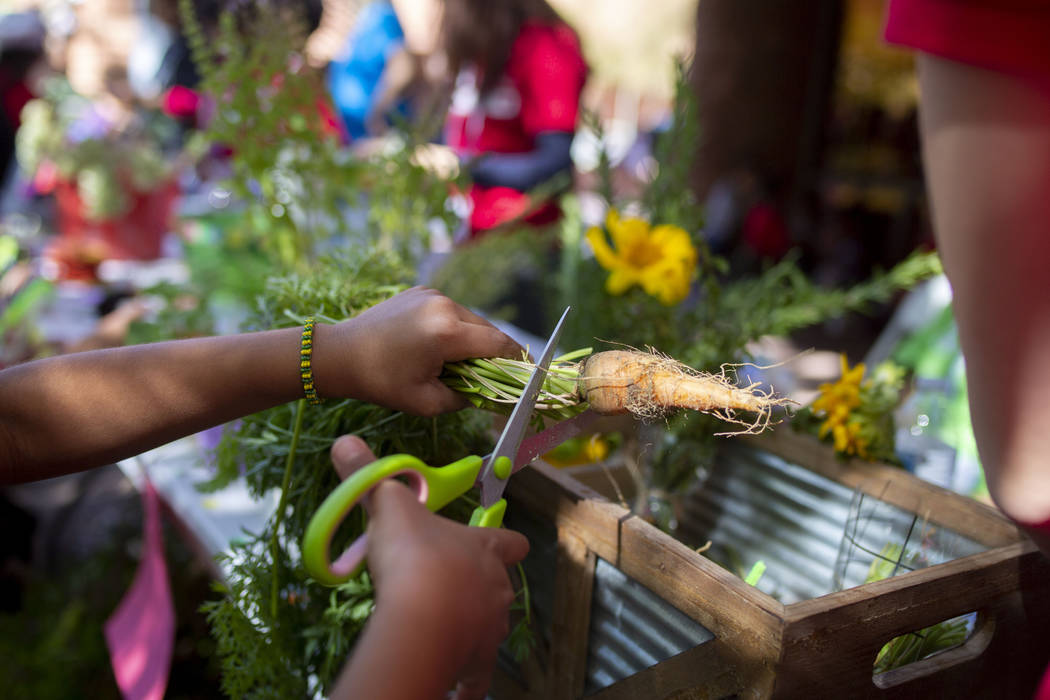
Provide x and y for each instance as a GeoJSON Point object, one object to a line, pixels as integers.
{"type": "Point", "coordinates": [77, 411]}
{"type": "Point", "coordinates": [442, 597]}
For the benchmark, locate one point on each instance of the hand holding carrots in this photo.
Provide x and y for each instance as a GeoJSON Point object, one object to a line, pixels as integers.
{"type": "Point", "coordinates": [442, 596]}
{"type": "Point", "coordinates": [393, 353]}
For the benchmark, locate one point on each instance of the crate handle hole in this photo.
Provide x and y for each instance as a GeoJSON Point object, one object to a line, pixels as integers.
{"type": "Point", "coordinates": [931, 649]}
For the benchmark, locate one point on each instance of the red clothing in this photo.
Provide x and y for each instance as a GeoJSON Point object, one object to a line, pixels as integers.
{"type": "Point", "coordinates": [1011, 36]}
{"type": "Point", "coordinates": [765, 232]}
{"type": "Point", "coordinates": [540, 91]}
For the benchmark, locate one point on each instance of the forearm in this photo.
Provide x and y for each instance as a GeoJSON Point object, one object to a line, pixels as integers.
{"type": "Point", "coordinates": [77, 411]}
{"type": "Point", "coordinates": [401, 71]}
{"type": "Point", "coordinates": [523, 171]}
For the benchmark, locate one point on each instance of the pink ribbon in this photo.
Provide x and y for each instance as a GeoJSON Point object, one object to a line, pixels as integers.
{"type": "Point", "coordinates": [141, 631]}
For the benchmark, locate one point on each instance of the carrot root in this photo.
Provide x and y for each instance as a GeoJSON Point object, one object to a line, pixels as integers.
{"type": "Point", "coordinates": [650, 385]}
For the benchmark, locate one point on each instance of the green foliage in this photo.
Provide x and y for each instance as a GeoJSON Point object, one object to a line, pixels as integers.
{"type": "Point", "coordinates": [317, 636]}
{"type": "Point", "coordinates": [338, 286]}
{"type": "Point", "coordinates": [285, 169]}
{"type": "Point", "coordinates": [522, 639]}
{"type": "Point", "coordinates": [405, 200]}
{"type": "Point", "coordinates": [227, 272]}
{"type": "Point", "coordinates": [483, 274]}
{"type": "Point", "coordinates": [668, 197]}
{"type": "Point", "coordinates": [782, 300]}
{"type": "Point", "coordinates": [295, 653]}
{"type": "Point", "coordinates": [301, 189]}
{"type": "Point", "coordinates": [56, 629]}
{"type": "Point", "coordinates": [718, 328]}
{"type": "Point", "coordinates": [920, 644]}
{"type": "Point", "coordinates": [173, 320]}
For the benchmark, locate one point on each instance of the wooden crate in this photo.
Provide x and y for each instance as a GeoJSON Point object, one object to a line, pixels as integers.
{"type": "Point", "coordinates": [820, 647]}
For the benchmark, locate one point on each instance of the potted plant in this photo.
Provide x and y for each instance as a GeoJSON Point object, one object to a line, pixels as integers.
{"type": "Point", "coordinates": [112, 170]}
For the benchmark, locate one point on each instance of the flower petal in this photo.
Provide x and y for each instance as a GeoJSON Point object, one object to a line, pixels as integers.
{"type": "Point", "coordinates": [629, 232]}
{"type": "Point", "coordinates": [620, 280]}
{"type": "Point", "coordinates": [676, 243]}
{"type": "Point", "coordinates": [602, 252]}
{"type": "Point", "coordinates": [841, 437]}
{"type": "Point", "coordinates": [856, 374]}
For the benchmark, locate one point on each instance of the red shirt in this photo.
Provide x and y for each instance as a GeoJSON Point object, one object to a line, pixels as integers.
{"type": "Point", "coordinates": [540, 91]}
{"type": "Point", "coordinates": [1011, 36]}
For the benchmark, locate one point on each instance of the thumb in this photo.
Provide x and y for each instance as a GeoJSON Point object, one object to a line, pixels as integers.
{"type": "Point", "coordinates": [510, 546]}
{"type": "Point", "coordinates": [350, 453]}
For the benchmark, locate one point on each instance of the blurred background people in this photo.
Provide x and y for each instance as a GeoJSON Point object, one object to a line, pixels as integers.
{"type": "Point", "coordinates": [514, 105]}
{"type": "Point", "coordinates": [355, 72]}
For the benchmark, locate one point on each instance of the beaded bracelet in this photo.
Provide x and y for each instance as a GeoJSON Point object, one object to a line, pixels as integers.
{"type": "Point", "coordinates": [306, 372]}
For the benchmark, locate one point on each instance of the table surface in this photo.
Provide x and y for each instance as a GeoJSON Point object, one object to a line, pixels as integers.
{"type": "Point", "coordinates": [216, 519]}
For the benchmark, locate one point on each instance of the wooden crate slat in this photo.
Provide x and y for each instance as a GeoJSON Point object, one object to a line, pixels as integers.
{"type": "Point", "coordinates": [832, 641]}
{"type": "Point", "coordinates": [1003, 660]}
{"type": "Point", "coordinates": [571, 619]}
{"type": "Point", "coordinates": [713, 665]}
{"type": "Point", "coordinates": [944, 590]}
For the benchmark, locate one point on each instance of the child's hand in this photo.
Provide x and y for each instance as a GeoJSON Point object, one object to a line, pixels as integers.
{"type": "Point", "coordinates": [393, 353]}
{"type": "Point", "coordinates": [442, 595]}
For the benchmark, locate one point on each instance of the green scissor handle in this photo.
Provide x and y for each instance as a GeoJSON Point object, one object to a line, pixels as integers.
{"type": "Point", "coordinates": [436, 488]}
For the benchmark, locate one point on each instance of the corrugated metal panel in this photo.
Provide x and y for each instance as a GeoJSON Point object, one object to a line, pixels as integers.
{"type": "Point", "coordinates": [755, 506]}
{"type": "Point", "coordinates": [632, 629]}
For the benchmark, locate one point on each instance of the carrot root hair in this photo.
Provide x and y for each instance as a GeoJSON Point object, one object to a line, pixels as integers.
{"type": "Point", "coordinates": [652, 385]}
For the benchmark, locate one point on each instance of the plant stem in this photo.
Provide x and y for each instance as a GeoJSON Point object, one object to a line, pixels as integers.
{"type": "Point", "coordinates": [525, 590]}
{"type": "Point", "coordinates": [281, 504]}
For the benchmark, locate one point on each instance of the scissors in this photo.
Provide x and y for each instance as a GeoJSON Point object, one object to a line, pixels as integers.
{"type": "Point", "coordinates": [435, 487]}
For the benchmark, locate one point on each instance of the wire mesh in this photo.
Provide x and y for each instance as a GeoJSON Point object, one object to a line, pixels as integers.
{"type": "Point", "coordinates": [881, 540]}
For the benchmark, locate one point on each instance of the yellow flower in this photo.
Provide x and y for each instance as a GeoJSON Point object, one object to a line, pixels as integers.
{"type": "Point", "coordinates": [836, 416]}
{"type": "Point", "coordinates": [848, 439]}
{"type": "Point", "coordinates": [661, 259]}
{"type": "Point", "coordinates": [576, 452]}
{"type": "Point", "coordinates": [837, 400]}
{"type": "Point", "coordinates": [844, 392]}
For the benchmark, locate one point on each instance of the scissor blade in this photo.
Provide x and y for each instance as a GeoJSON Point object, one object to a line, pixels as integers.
{"type": "Point", "coordinates": [507, 446]}
{"type": "Point", "coordinates": [546, 440]}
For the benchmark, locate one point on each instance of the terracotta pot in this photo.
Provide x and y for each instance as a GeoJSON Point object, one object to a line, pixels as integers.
{"type": "Point", "coordinates": [138, 234]}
